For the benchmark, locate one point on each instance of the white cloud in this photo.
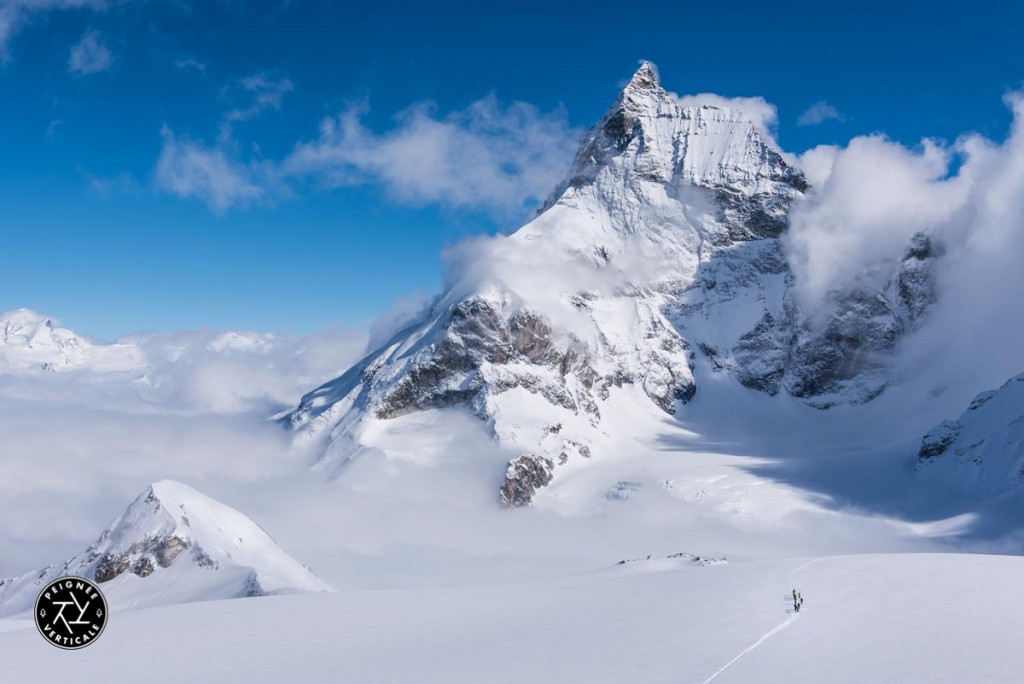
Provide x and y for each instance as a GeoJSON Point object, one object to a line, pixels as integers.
{"type": "Point", "coordinates": [873, 197]}
{"type": "Point", "coordinates": [263, 91]}
{"type": "Point", "coordinates": [406, 310]}
{"type": "Point", "coordinates": [216, 174]}
{"type": "Point", "coordinates": [90, 55]}
{"type": "Point", "coordinates": [15, 14]}
{"type": "Point", "coordinates": [816, 163]}
{"type": "Point", "coordinates": [874, 194]}
{"type": "Point", "coordinates": [488, 156]}
{"type": "Point", "coordinates": [761, 113]}
{"type": "Point", "coordinates": [819, 112]}
{"type": "Point", "coordinates": [109, 186]}
{"type": "Point", "coordinates": [212, 174]}
{"type": "Point", "coordinates": [193, 64]}
{"type": "Point", "coordinates": [205, 371]}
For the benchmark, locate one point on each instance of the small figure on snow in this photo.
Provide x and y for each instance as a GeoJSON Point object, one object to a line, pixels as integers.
{"type": "Point", "coordinates": [798, 601]}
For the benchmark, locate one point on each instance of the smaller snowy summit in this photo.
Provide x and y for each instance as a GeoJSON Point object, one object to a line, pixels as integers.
{"type": "Point", "coordinates": [30, 341]}
{"type": "Point", "coordinates": [174, 545]}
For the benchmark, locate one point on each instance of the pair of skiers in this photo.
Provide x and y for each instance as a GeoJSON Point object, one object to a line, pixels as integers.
{"type": "Point", "coordinates": [798, 601]}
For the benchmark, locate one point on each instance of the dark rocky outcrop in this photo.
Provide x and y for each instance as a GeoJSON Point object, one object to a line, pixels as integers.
{"type": "Point", "coordinates": [938, 440]}
{"type": "Point", "coordinates": [524, 476]}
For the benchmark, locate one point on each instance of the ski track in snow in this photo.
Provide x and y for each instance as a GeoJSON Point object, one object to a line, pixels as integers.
{"type": "Point", "coordinates": [770, 633]}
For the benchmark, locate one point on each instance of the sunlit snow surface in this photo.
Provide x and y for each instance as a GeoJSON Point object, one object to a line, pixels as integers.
{"type": "Point", "coordinates": [877, 618]}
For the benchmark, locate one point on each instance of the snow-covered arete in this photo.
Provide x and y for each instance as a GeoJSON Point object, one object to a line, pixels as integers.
{"type": "Point", "coordinates": [981, 452]}
{"type": "Point", "coordinates": [174, 545]}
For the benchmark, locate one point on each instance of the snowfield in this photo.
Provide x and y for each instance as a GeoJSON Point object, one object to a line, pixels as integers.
{"type": "Point", "coordinates": [874, 618]}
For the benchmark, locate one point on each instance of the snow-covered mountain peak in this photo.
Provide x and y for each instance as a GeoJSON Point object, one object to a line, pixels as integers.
{"type": "Point", "coordinates": [22, 316]}
{"type": "Point", "coordinates": [650, 150]}
{"type": "Point", "coordinates": [662, 242]}
{"type": "Point", "coordinates": [31, 341]}
{"type": "Point", "coordinates": [641, 91]}
{"type": "Point", "coordinates": [644, 78]}
{"type": "Point", "coordinates": [25, 326]}
{"type": "Point", "coordinates": [170, 518]}
{"type": "Point", "coordinates": [173, 545]}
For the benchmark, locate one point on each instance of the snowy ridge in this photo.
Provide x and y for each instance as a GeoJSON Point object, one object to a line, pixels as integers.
{"type": "Point", "coordinates": [911, 617]}
{"type": "Point", "coordinates": [982, 452]}
{"type": "Point", "coordinates": [174, 545]}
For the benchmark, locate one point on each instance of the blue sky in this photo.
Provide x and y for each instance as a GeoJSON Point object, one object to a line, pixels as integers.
{"type": "Point", "coordinates": [293, 165]}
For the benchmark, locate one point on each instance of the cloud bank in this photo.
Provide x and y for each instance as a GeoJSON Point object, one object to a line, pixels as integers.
{"type": "Point", "coordinates": [872, 195]}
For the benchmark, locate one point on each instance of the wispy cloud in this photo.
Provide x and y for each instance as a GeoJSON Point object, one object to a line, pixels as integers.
{"type": "Point", "coordinates": [216, 173]}
{"type": "Point", "coordinates": [90, 55]}
{"type": "Point", "coordinates": [15, 14]}
{"type": "Point", "coordinates": [190, 169]}
{"type": "Point", "coordinates": [110, 186]}
{"type": "Point", "coordinates": [261, 92]}
{"type": "Point", "coordinates": [191, 64]}
{"type": "Point", "coordinates": [819, 112]}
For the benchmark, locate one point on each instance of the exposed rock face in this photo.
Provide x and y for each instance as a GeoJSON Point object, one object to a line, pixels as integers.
{"type": "Point", "coordinates": [664, 237]}
{"type": "Point", "coordinates": [143, 567]}
{"type": "Point", "coordinates": [850, 359]}
{"type": "Point", "coordinates": [982, 452]}
{"type": "Point", "coordinates": [525, 475]}
{"type": "Point", "coordinates": [938, 440]}
{"type": "Point", "coordinates": [172, 545]}
{"type": "Point", "coordinates": [844, 359]}
{"type": "Point", "coordinates": [110, 567]}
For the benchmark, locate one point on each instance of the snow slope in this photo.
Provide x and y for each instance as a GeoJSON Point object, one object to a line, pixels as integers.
{"type": "Point", "coordinates": [174, 545]}
{"type": "Point", "coordinates": [982, 452]}
{"type": "Point", "coordinates": [914, 618]}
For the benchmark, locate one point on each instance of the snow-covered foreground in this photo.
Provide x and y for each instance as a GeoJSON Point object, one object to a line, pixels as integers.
{"type": "Point", "coordinates": [872, 618]}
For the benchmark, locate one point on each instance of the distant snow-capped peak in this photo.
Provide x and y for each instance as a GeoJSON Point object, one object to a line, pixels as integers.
{"type": "Point", "coordinates": [30, 341]}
